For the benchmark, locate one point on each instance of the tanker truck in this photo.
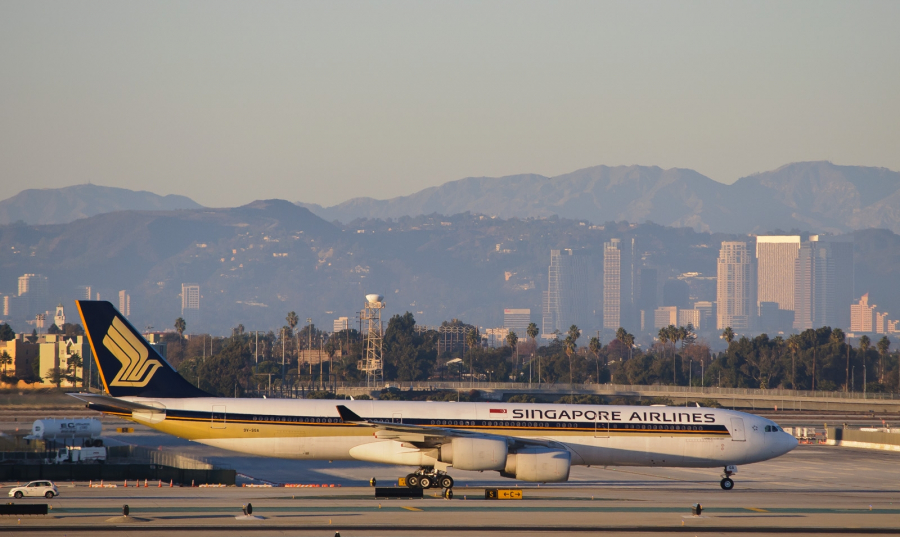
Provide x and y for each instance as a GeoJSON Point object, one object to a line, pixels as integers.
{"type": "Point", "coordinates": [68, 431]}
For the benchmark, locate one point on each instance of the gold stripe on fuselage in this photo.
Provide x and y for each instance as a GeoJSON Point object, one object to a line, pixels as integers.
{"type": "Point", "coordinates": [204, 428]}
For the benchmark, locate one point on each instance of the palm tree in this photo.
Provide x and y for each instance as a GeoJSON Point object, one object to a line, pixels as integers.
{"type": "Point", "coordinates": [532, 331]}
{"type": "Point", "coordinates": [292, 320]}
{"type": "Point", "coordinates": [513, 340]}
{"type": "Point", "coordinates": [864, 344]}
{"type": "Point", "coordinates": [620, 334]}
{"type": "Point", "coordinates": [571, 346]}
{"type": "Point", "coordinates": [837, 337]}
{"type": "Point", "coordinates": [5, 360]}
{"type": "Point", "coordinates": [180, 326]}
{"type": "Point", "coordinates": [728, 334]}
{"type": "Point", "coordinates": [473, 338]}
{"type": "Point", "coordinates": [674, 337]}
{"type": "Point", "coordinates": [883, 345]}
{"type": "Point", "coordinates": [793, 344]}
{"type": "Point", "coordinates": [595, 347]}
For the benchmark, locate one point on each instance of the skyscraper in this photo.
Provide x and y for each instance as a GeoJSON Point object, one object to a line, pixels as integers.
{"type": "Point", "coordinates": [190, 302]}
{"type": "Point", "coordinates": [517, 320]}
{"type": "Point", "coordinates": [570, 295]}
{"type": "Point", "coordinates": [124, 303]}
{"type": "Point", "coordinates": [823, 282]}
{"type": "Point", "coordinates": [736, 287]}
{"type": "Point", "coordinates": [862, 315]}
{"type": "Point", "coordinates": [34, 291]}
{"type": "Point", "coordinates": [618, 285]}
{"type": "Point", "coordinates": [775, 260]}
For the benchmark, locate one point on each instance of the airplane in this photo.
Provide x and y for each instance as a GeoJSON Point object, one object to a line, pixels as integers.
{"type": "Point", "coordinates": [524, 441]}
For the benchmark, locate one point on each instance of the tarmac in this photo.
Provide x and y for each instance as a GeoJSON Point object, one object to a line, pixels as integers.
{"type": "Point", "coordinates": [813, 490]}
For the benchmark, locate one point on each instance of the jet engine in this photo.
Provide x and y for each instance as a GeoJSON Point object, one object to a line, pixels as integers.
{"type": "Point", "coordinates": [475, 453]}
{"type": "Point", "coordinates": [538, 464]}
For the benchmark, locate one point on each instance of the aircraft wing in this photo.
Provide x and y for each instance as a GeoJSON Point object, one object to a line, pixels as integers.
{"type": "Point", "coordinates": [405, 432]}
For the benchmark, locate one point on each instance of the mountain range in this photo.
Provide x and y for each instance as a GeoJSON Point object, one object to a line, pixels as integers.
{"type": "Point", "coordinates": [64, 205]}
{"type": "Point", "coordinates": [807, 196]}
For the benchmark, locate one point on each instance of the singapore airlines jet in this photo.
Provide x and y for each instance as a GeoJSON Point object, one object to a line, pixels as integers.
{"type": "Point", "coordinates": [528, 442]}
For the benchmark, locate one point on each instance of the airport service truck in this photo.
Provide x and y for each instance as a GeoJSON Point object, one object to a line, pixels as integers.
{"type": "Point", "coordinates": [80, 454]}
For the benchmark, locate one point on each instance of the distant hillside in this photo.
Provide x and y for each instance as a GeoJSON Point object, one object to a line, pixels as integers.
{"type": "Point", "coordinates": [810, 196]}
{"type": "Point", "coordinates": [64, 205]}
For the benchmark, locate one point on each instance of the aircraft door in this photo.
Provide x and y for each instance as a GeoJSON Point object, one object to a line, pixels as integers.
{"type": "Point", "coordinates": [397, 417]}
{"type": "Point", "coordinates": [737, 430]}
{"type": "Point", "coordinates": [217, 420]}
{"type": "Point", "coordinates": [601, 429]}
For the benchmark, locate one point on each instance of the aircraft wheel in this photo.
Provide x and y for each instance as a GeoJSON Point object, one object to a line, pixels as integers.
{"type": "Point", "coordinates": [448, 494]}
{"type": "Point", "coordinates": [727, 483]}
{"type": "Point", "coordinates": [446, 482]}
{"type": "Point", "coordinates": [412, 481]}
{"type": "Point", "coordinates": [425, 482]}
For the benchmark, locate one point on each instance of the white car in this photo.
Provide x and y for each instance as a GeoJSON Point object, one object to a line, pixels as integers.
{"type": "Point", "coordinates": [36, 488]}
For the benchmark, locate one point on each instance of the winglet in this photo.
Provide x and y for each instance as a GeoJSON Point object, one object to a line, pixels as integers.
{"type": "Point", "coordinates": [348, 415]}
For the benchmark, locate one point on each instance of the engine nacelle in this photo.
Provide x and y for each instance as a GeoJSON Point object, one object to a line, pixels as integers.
{"type": "Point", "coordinates": [539, 464]}
{"type": "Point", "coordinates": [475, 453]}
{"type": "Point", "coordinates": [393, 452]}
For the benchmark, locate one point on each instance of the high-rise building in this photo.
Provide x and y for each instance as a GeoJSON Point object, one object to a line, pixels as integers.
{"type": "Point", "coordinates": [34, 291]}
{"type": "Point", "coordinates": [823, 282]}
{"type": "Point", "coordinates": [736, 287]}
{"type": "Point", "coordinates": [618, 285]}
{"type": "Point", "coordinates": [83, 292]}
{"type": "Point", "coordinates": [648, 291]}
{"type": "Point", "coordinates": [862, 315]}
{"type": "Point", "coordinates": [570, 295]}
{"type": "Point", "coordinates": [341, 323]}
{"type": "Point", "coordinates": [676, 293]}
{"type": "Point", "coordinates": [190, 302]}
{"type": "Point", "coordinates": [707, 312]}
{"type": "Point", "coordinates": [517, 320]}
{"type": "Point", "coordinates": [689, 317]}
{"type": "Point", "coordinates": [665, 316]}
{"type": "Point", "coordinates": [125, 303]}
{"type": "Point", "coordinates": [776, 256]}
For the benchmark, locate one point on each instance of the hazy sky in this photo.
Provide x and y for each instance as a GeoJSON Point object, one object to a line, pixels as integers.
{"type": "Point", "coordinates": [228, 102]}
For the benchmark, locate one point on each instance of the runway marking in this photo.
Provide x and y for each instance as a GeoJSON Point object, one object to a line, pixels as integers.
{"type": "Point", "coordinates": [757, 509]}
{"type": "Point", "coordinates": [409, 508]}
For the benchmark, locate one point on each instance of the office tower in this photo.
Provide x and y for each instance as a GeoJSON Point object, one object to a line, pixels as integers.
{"type": "Point", "coordinates": [665, 316]}
{"type": "Point", "coordinates": [647, 289]}
{"type": "Point", "coordinates": [618, 285]}
{"type": "Point", "coordinates": [6, 305]}
{"type": "Point", "coordinates": [776, 257]}
{"type": "Point", "coordinates": [823, 282]}
{"type": "Point", "coordinates": [689, 317]}
{"type": "Point", "coordinates": [736, 287]}
{"type": "Point", "coordinates": [83, 292]}
{"type": "Point", "coordinates": [676, 293]}
{"type": "Point", "coordinates": [34, 291]}
{"type": "Point", "coordinates": [190, 302]}
{"type": "Point", "coordinates": [341, 323]}
{"type": "Point", "coordinates": [862, 315]}
{"type": "Point", "coordinates": [124, 303]}
{"type": "Point", "coordinates": [517, 320]}
{"type": "Point", "coordinates": [570, 295]}
{"type": "Point", "coordinates": [707, 312]}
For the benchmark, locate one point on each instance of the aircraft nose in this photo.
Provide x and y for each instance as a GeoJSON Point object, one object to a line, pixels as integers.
{"type": "Point", "coordinates": [789, 441]}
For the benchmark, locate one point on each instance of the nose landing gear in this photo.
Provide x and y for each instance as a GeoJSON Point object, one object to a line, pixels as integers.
{"type": "Point", "coordinates": [727, 483]}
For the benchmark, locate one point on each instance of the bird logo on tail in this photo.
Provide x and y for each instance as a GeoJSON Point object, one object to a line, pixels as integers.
{"type": "Point", "coordinates": [137, 369]}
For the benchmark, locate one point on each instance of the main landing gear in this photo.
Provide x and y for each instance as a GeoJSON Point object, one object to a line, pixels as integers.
{"type": "Point", "coordinates": [429, 478]}
{"type": "Point", "coordinates": [727, 483]}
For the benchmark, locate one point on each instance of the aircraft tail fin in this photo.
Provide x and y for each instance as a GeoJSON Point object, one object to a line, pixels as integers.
{"type": "Point", "coordinates": [128, 365]}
